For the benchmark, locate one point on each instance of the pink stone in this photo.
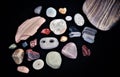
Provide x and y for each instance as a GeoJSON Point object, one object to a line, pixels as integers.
{"type": "Point", "coordinates": [23, 69]}
{"type": "Point", "coordinates": [70, 50]}
{"type": "Point", "coordinates": [33, 43]}
{"type": "Point", "coordinates": [32, 55]}
{"type": "Point", "coordinates": [28, 28]}
{"type": "Point", "coordinates": [46, 31]}
{"type": "Point", "coordinates": [85, 51]}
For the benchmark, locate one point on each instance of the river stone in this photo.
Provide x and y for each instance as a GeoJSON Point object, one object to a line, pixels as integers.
{"type": "Point", "coordinates": [103, 14]}
{"type": "Point", "coordinates": [38, 64]}
{"type": "Point", "coordinates": [23, 69]}
{"type": "Point", "coordinates": [70, 50]}
{"type": "Point", "coordinates": [12, 46]}
{"type": "Point", "coordinates": [63, 38]}
{"type": "Point", "coordinates": [51, 12]}
{"type": "Point", "coordinates": [58, 26]}
{"type": "Point", "coordinates": [68, 18]}
{"type": "Point", "coordinates": [48, 42]}
{"type": "Point", "coordinates": [78, 19]}
{"type": "Point", "coordinates": [54, 60]}
{"type": "Point", "coordinates": [37, 10]}
{"type": "Point", "coordinates": [18, 56]}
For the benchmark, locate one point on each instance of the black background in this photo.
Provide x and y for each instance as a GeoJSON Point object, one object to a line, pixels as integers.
{"type": "Point", "coordinates": [103, 49]}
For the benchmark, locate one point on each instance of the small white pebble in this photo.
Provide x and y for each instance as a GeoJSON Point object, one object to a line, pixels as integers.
{"type": "Point", "coordinates": [68, 18]}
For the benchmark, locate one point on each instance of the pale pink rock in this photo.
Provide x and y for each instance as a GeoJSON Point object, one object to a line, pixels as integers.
{"type": "Point", "coordinates": [28, 28]}
{"type": "Point", "coordinates": [23, 69]}
{"type": "Point", "coordinates": [33, 43]}
{"type": "Point", "coordinates": [70, 50]}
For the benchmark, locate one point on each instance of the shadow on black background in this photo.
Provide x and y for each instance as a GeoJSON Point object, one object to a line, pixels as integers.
{"type": "Point", "coordinates": [103, 50]}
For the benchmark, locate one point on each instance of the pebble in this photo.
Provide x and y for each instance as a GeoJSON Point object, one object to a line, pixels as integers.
{"type": "Point", "coordinates": [85, 51]}
{"type": "Point", "coordinates": [54, 60]}
{"type": "Point", "coordinates": [23, 69]}
{"type": "Point", "coordinates": [24, 44]}
{"type": "Point", "coordinates": [51, 12]}
{"type": "Point", "coordinates": [33, 43]}
{"type": "Point", "coordinates": [58, 26]}
{"type": "Point", "coordinates": [38, 64]}
{"type": "Point", "coordinates": [48, 42]}
{"type": "Point", "coordinates": [46, 31]}
{"type": "Point", "coordinates": [37, 10]}
{"type": "Point", "coordinates": [63, 38]}
{"type": "Point", "coordinates": [78, 19]}
{"type": "Point", "coordinates": [68, 18]}
{"type": "Point", "coordinates": [12, 46]}
{"type": "Point", "coordinates": [70, 50]}
{"type": "Point", "coordinates": [18, 56]}
{"type": "Point", "coordinates": [32, 55]}
{"type": "Point", "coordinates": [62, 10]}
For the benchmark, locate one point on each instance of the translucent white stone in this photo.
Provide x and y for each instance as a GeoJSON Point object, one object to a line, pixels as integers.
{"type": "Point", "coordinates": [78, 19]}
{"type": "Point", "coordinates": [37, 10]}
{"type": "Point", "coordinates": [48, 42]}
{"type": "Point", "coordinates": [54, 60]}
{"type": "Point", "coordinates": [38, 64]}
{"type": "Point", "coordinates": [58, 26]}
{"type": "Point", "coordinates": [51, 12]}
{"type": "Point", "coordinates": [68, 18]}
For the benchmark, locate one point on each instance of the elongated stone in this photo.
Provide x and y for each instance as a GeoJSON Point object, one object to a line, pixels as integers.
{"type": "Point", "coordinates": [70, 50]}
{"type": "Point", "coordinates": [28, 28]}
{"type": "Point", "coordinates": [48, 42]}
{"type": "Point", "coordinates": [23, 69]}
{"type": "Point", "coordinates": [85, 51]}
{"type": "Point", "coordinates": [51, 12]}
{"type": "Point", "coordinates": [12, 46]}
{"type": "Point", "coordinates": [32, 55]}
{"type": "Point", "coordinates": [102, 14]}
{"type": "Point", "coordinates": [24, 44]}
{"type": "Point", "coordinates": [54, 60]}
{"type": "Point", "coordinates": [58, 26]}
{"type": "Point", "coordinates": [18, 56]}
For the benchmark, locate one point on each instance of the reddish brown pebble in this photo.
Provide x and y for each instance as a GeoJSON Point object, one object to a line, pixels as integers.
{"type": "Point", "coordinates": [23, 69]}
{"type": "Point", "coordinates": [46, 31]}
{"type": "Point", "coordinates": [85, 51]}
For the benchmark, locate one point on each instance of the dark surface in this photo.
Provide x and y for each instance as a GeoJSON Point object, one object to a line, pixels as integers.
{"type": "Point", "coordinates": [97, 65]}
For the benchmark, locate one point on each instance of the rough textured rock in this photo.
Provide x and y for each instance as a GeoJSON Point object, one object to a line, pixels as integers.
{"type": "Point", "coordinates": [103, 14]}
{"type": "Point", "coordinates": [54, 60]}
{"type": "Point", "coordinates": [28, 28]}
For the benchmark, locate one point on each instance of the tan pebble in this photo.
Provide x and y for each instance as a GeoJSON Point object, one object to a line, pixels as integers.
{"type": "Point", "coordinates": [62, 10]}
{"type": "Point", "coordinates": [23, 69]}
{"type": "Point", "coordinates": [63, 38]}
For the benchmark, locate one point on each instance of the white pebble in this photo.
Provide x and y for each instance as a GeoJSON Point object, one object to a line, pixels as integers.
{"type": "Point", "coordinates": [38, 64]}
{"type": "Point", "coordinates": [51, 12]}
{"type": "Point", "coordinates": [68, 18]}
{"type": "Point", "coordinates": [37, 10]}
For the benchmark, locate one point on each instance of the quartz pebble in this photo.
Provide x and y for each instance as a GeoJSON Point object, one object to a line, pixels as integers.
{"type": "Point", "coordinates": [12, 46]}
{"type": "Point", "coordinates": [23, 69]}
{"type": "Point", "coordinates": [51, 12]}
{"type": "Point", "coordinates": [70, 50]}
{"type": "Point", "coordinates": [38, 64]}
{"type": "Point", "coordinates": [32, 55]}
{"type": "Point", "coordinates": [85, 51]}
{"type": "Point", "coordinates": [24, 44]}
{"type": "Point", "coordinates": [54, 60]}
{"type": "Point", "coordinates": [68, 18]}
{"type": "Point", "coordinates": [33, 43]}
{"type": "Point", "coordinates": [58, 26]}
{"type": "Point", "coordinates": [62, 10]}
{"type": "Point", "coordinates": [63, 38]}
{"type": "Point", "coordinates": [48, 43]}
{"type": "Point", "coordinates": [18, 56]}
{"type": "Point", "coordinates": [78, 19]}
{"type": "Point", "coordinates": [37, 10]}
{"type": "Point", "coordinates": [46, 31]}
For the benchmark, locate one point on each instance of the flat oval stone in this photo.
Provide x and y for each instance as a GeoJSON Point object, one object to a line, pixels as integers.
{"type": "Point", "coordinates": [78, 19]}
{"type": "Point", "coordinates": [23, 69]}
{"type": "Point", "coordinates": [37, 10]}
{"type": "Point", "coordinates": [68, 18]}
{"type": "Point", "coordinates": [70, 50]}
{"type": "Point", "coordinates": [54, 60]}
{"type": "Point", "coordinates": [51, 12]}
{"type": "Point", "coordinates": [38, 64]}
{"type": "Point", "coordinates": [48, 42]}
{"type": "Point", "coordinates": [63, 38]}
{"type": "Point", "coordinates": [18, 56]}
{"type": "Point", "coordinates": [58, 26]}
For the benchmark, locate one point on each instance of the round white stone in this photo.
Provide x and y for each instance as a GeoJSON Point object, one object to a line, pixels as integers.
{"type": "Point", "coordinates": [38, 64]}
{"type": "Point", "coordinates": [78, 19]}
{"type": "Point", "coordinates": [51, 12]}
{"type": "Point", "coordinates": [58, 26]}
{"type": "Point", "coordinates": [54, 60]}
{"type": "Point", "coordinates": [68, 18]}
{"type": "Point", "coordinates": [37, 10]}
